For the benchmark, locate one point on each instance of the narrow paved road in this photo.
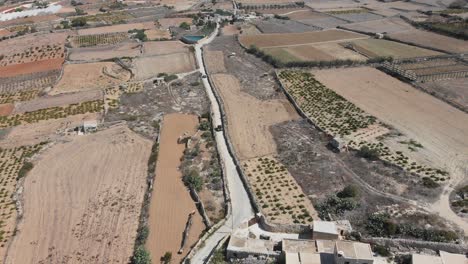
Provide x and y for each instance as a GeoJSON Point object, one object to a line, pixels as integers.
{"type": "Point", "coordinates": [241, 207]}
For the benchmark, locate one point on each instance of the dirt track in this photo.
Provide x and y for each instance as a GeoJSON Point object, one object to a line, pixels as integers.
{"type": "Point", "coordinates": [250, 118]}
{"type": "Point", "coordinates": [171, 202]}
{"type": "Point", "coordinates": [82, 200]}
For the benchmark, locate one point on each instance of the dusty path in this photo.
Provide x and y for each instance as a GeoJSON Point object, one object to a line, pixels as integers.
{"type": "Point", "coordinates": [171, 202]}
{"type": "Point", "coordinates": [82, 200]}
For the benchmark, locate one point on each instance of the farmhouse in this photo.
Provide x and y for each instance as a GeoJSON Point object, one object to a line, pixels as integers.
{"type": "Point", "coordinates": [348, 252]}
{"type": "Point", "coordinates": [325, 230]}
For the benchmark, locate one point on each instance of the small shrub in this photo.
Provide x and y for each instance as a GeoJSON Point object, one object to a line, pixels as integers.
{"type": "Point", "coordinates": [368, 153]}
{"type": "Point", "coordinates": [141, 256]}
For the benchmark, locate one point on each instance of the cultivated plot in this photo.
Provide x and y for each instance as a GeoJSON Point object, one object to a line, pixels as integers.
{"type": "Point", "coordinates": [88, 192]}
{"type": "Point", "coordinates": [440, 128]}
{"type": "Point", "coordinates": [171, 203]}
{"type": "Point", "coordinates": [292, 39]}
{"type": "Point", "coordinates": [150, 67]}
{"type": "Point", "coordinates": [383, 48]}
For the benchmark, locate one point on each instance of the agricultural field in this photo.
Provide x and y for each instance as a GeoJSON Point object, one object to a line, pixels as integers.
{"type": "Point", "coordinates": [171, 203]}
{"type": "Point", "coordinates": [44, 130]}
{"type": "Point", "coordinates": [431, 40]}
{"type": "Point", "coordinates": [108, 18]}
{"type": "Point", "coordinates": [90, 76]}
{"type": "Point", "coordinates": [354, 15]}
{"type": "Point", "coordinates": [14, 165]}
{"type": "Point", "coordinates": [20, 44]}
{"type": "Point", "coordinates": [33, 54]}
{"type": "Point", "coordinates": [56, 101]}
{"type": "Point", "coordinates": [18, 96]}
{"type": "Point", "coordinates": [51, 113]}
{"type": "Point", "coordinates": [439, 145]}
{"type": "Point", "coordinates": [273, 25]}
{"type": "Point", "coordinates": [166, 23]}
{"type": "Point", "coordinates": [431, 69]}
{"type": "Point", "coordinates": [347, 120]}
{"type": "Point", "coordinates": [316, 19]}
{"type": "Point", "coordinates": [20, 83]}
{"type": "Point", "coordinates": [372, 48]}
{"type": "Point", "coordinates": [291, 39]}
{"type": "Point", "coordinates": [158, 34]}
{"type": "Point", "coordinates": [279, 196]}
{"type": "Point", "coordinates": [81, 41]}
{"type": "Point", "coordinates": [88, 182]}
{"type": "Point", "coordinates": [31, 67]}
{"type": "Point", "coordinates": [126, 49]}
{"type": "Point", "coordinates": [386, 25]}
{"type": "Point", "coordinates": [121, 28]}
{"type": "Point", "coordinates": [164, 47]}
{"type": "Point", "coordinates": [452, 90]}
{"type": "Point", "coordinates": [150, 67]}
{"type": "Point", "coordinates": [314, 52]}
{"type": "Point", "coordinates": [250, 118]}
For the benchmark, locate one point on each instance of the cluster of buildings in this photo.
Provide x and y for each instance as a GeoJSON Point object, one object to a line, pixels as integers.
{"type": "Point", "coordinates": [327, 245]}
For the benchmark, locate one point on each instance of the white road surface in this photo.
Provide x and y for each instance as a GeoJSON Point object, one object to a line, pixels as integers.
{"type": "Point", "coordinates": [241, 207]}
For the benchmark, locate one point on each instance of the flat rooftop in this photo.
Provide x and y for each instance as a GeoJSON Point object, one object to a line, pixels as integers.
{"type": "Point", "coordinates": [355, 250]}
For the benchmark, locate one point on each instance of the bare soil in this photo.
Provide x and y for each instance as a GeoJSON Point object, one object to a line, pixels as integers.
{"type": "Point", "coordinates": [164, 47]}
{"type": "Point", "coordinates": [88, 192]}
{"type": "Point", "coordinates": [90, 76]}
{"type": "Point", "coordinates": [452, 90]}
{"type": "Point", "coordinates": [150, 67]}
{"type": "Point", "coordinates": [250, 118]}
{"type": "Point", "coordinates": [128, 49]}
{"type": "Point", "coordinates": [277, 40]}
{"type": "Point", "coordinates": [6, 109]}
{"type": "Point", "coordinates": [431, 40]}
{"type": "Point", "coordinates": [166, 23]}
{"type": "Point", "coordinates": [31, 67]}
{"type": "Point", "coordinates": [171, 203]}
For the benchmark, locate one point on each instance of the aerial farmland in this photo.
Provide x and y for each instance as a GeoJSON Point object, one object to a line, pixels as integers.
{"type": "Point", "coordinates": [250, 131]}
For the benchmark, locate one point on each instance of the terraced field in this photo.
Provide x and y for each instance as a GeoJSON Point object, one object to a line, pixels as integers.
{"type": "Point", "coordinates": [51, 113]}
{"type": "Point", "coordinates": [98, 39]}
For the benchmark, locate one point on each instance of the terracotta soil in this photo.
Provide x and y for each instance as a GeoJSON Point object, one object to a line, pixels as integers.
{"type": "Point", "coordinates": [171, 202]}
{"type": "Point", "coordinates": [250, 118]}
{"type": "Point", "coordinates": [6, 109]}
{"type": "Point", "coordinates": [82, 200]}
{"type": "Point", "coordinates": [31, 67]}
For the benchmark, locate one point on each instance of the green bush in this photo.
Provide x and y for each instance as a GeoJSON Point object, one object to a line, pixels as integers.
{"type": "Point", "coordinates": [193, 180]}
{"type": "Point", "coordinates": [429, 183]}
{"type": "Point", "coordinates": [142, 235]}
{"type": "Point", "coordinates": [27, 166]}
{"type": "Point", "coordinates": [381, 250]}
{"type": "Point", "coordinates": [349, 191]}
{"type": "Point", "coordinates": [169, 78]}
{"type": "Point", "coordinates": [368, 153]}
{"type": "Point", "coordinates": [141, 256]}
{"type": "Point", "coordinates": [184, 25]}
{"type": "Point", "coordinates": [204, 125]}
{"type": "Point", "coordinates": [79, 22]}
{"type": "Point", "coordinates": [166, 258]}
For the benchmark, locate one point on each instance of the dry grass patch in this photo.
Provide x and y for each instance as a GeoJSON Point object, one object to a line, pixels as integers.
{"type": "Point", "coordinates": [150, 67]}
{"type": "Point", "coordinates": [383, 48]}
{"type": "Point", "coordinates": [214, 61]}
{"type": "Point", "coordinates": [280, 197]}
{"type": "Point", "coordinates": [90, 76]}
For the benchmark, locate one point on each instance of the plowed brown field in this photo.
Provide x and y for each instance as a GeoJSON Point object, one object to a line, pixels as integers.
{"type": "Point", "coordinates": [171, 202]}
{"type": "Point", "coordinates": [31, 67]}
